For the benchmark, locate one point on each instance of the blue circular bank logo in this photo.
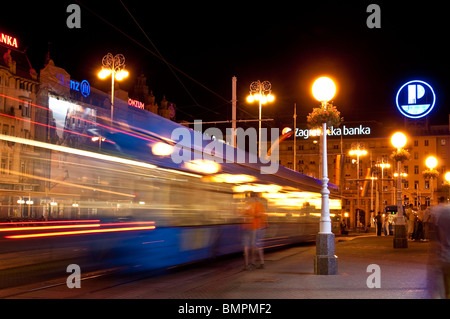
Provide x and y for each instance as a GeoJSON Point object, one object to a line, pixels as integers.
{"type": "Point", "coordinates": [415, 99]}
{"type": "Point", "coordinates": [85, 88]}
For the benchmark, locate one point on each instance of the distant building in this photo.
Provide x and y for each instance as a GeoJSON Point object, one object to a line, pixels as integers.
{"type": "Point", "coordinates": [141, 93]}
{"type": "Point", "coordinates": [423, 141]}
{"type": "Point", "coordinates": [18, 87]}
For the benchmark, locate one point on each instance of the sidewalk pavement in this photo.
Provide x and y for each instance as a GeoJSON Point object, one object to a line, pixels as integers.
{"type": "Point", "coordinates": [368, 268]}
{"type": "Point", "coordinates": [403, 273]}
{"type": "Point", "coordinates": [289, 274]}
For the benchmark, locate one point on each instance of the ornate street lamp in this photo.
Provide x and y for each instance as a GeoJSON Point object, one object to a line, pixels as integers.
{"type": "Point", "coordinates": [261, 92]}
{"type": "Point", "coordinates": [398, 140]}
{"type": "Point", "coordinates": [325, 261]}
{"type": "Point", "coordinates": [114, 66]}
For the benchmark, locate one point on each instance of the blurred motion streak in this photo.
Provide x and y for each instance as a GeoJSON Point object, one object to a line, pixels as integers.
{"type": "Point", "coordinates": [80, 232]}
{"type": "Point", "coordinates": [70, 184]}
{"type": "Point", "coordinates": [8, 229]}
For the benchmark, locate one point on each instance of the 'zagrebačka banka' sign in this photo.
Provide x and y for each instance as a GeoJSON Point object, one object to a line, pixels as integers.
{"type": "Point", "coordinates": [332, 131]}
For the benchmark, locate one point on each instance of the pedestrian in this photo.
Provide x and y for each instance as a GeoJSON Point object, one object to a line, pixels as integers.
{"type": "Point", "coordinates": [410, 224]}
{"type": "Point", "coordinates": [254, 226]}
{"type": "Point", "coordinates": [427, 220]}
{"type": "Point", "coordinates": [386, 225]}
{"type": "Point", "coordinates": [418, 227]}
{"type": "Point", "coordinates": [379, 221]}
{"type": "Point", "coordinates": [441, 218]}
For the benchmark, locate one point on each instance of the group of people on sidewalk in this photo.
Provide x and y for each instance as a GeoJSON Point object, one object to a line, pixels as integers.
{"type": "Point", "coordinates": [418, 223]}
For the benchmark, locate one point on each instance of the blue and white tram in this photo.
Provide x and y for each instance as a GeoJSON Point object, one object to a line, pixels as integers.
{"type": "Point", "coordinates": [122, 185]}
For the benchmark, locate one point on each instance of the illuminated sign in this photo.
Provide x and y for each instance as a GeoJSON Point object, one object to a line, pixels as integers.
{"type": "Point", "coordinates": [136, 103]}
{"type": "Point", "coordinates": [332, 131]}
{"type": "Point", "coordinates": [84, 87]}
{"type": "Point", "coordinates": [8, 40]}
{"type": "Point", "coordinates": [415, 99]}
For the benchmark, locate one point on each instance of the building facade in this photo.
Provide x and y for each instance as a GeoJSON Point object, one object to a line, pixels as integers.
{"type": "Point", "coordinates": [18, 90]}
{"type": "Point", "coordinates": [368, 186]}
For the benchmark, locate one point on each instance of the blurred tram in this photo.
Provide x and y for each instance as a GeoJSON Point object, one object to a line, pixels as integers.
{"type": "Point", "coordinates": [117, 194]}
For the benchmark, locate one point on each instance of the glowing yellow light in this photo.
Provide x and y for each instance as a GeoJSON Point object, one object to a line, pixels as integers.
{"type": "Point", "coordinates": [263, 99]}
{"type": "Point", "coordinates": [203, 166]}
{"type": "Point", "coordinates": [162, 149]}
{"type": "Point", "coordinates": [447, 177]}
{"type": "Point", "coordinates": [257, 188]}
{"type": "Point", "coordinates": [431, 162]}
{"type": "Point", "coordinates": [257, 96]}
{"type": "Point", "coordinates": [323, 89]}
{"type": "Point", "coordinates": [398, 140]}
{"type": "Point", "coordinates": [250, 99]}
{"type": "Point", "coordinates": [233, 179]}
{"type": "Point", "coordinates": [121, 75]}
{"type": "Point", "coordinates": [104, 73]}
{"type": "Point", "coordinates": [270, 98]}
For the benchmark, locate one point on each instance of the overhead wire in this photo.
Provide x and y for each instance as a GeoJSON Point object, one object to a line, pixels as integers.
{"type": "Point", "coordinates": [160, 57]}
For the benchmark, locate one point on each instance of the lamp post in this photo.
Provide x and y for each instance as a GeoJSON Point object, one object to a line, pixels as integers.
{"type": "Point", "coordinates": [398, 140]}
{"type": "Point", "coordinates": [325, 261]}
{"type": "Point", "coordinates": [261, 92]}
{"type": "Point", "coordinates": [358, 150]}
{"type": "Point", "coordinates": [383, 166]}
{"type": "Point", "coordinates": [431, 163]}
{"type": "Point", "coordinates": [114, 66]}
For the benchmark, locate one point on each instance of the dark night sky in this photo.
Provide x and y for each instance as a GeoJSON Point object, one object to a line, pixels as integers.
{"type": "Point", "coordinates": [285, 42]}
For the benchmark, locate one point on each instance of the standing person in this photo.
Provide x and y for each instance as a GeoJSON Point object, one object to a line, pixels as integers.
{"type": "Point", "coordinates": [427, 224]}
{"type": "Point", "coordinates": [256, 222]}
{"type": "Point", "coordinates": [386, 225]}
{"type": "Point", "coordinates": [410, 216]}
{"type": "Point", "coordinates": [379, 221]}
{"type": "Point", "coordinates": [418, 229]}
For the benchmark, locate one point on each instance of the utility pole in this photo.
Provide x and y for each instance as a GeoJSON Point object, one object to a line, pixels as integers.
{"type": "Point", "coordinates": [233, 112]}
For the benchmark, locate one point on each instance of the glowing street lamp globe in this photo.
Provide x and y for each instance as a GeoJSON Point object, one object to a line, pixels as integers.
{"type": "Point", "coordinates": [447, 177]}
{"type": "Point", "coordinates": [398, 140]}
{"type": "Point", "coordinates": [431, 162]}
{"type": "Point", "coordinates": [323, 89]}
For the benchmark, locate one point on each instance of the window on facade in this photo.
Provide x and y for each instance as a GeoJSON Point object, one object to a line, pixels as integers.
{"type": "Point", "coordinates": [26, 109]}
{"type": "Point", "coordinates": [416, 143]}
{"type": "Point", "coordinates": [416, 155]}
{"type": "Point", "coordinates": [416, 185]}
{"type": "Point", "coordinates": [416, 169]}
{"type": "Point", "coordinates": [4, 162]}
{"type": "Point", "coordinates": [427, 184]}
{"type": "Point", "coordinates": [426, 143]}
{"type": "Point", "coordinates": [5, 130]}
